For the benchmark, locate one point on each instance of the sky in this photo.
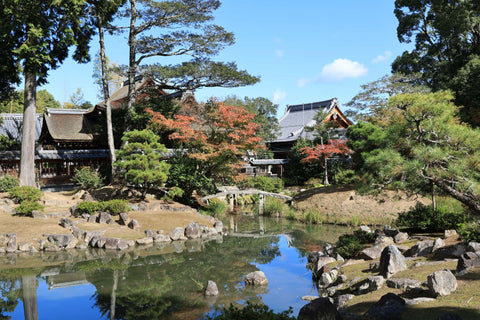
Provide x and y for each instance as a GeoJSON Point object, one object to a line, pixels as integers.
{"type": "Point", "coordinates": [303, 51]}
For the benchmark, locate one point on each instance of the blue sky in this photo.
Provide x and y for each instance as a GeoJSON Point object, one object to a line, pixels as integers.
{"type": "Point", "coordinates": [304, 51]}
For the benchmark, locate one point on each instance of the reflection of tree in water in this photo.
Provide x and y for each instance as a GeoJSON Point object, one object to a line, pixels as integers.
{"type": "Point", "coordinates": [169, 286]}
{"type": "Point", "coordinates": [10, 291]}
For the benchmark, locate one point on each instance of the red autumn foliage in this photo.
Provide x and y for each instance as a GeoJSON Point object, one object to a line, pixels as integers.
{"type": "Point", "coordinates": [325, 151]}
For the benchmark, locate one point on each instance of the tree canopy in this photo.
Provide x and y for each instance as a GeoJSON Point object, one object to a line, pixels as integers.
{"type": "Point", "coordinates": [447, 48]}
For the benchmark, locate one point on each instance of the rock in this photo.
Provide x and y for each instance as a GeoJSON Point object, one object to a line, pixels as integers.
{"type": "Point", "coordinates": [341, 300]}
{"type": "Point", "coordinates": [473, 247]}
{"type": "Point", "coordinates": [79, 194]}
{"type": "Point", "coordinates": [133, 224]}
{"type": "Point", "coordinates": [26, 247]}
{"type": "Point", "coordinates": [123, 219]}
{"type": "Point", "coordinates": [81, 246]}
{"type": "Point", "coordinates": [211, 289]}
{"type": "Point", "coordinates": [89, 235]}
{"type": "Point", "coordinates": [319, 309]}
{"type": "Point", "coordinates": [103, 217]}
{"type": "Point", "coordinates": [365, 229]}
{"type": "Point", "coordinates": [101, 242]}
{"type": "Point", "coordinates": [61, 240]}
{"type": "Point", "coordinates": [389, 307]}
{"type": "Point", "coordinates": [321, 262]}
{"type": "Point", "coordinates": [390, 232]}
{"type": "Point", "coordinates": [468, 260]}
{"type": "Point", "coordinates": [454, 251]}
{"type": "Point", "coordinates": [115, 244]}
{"type": "Point", "coordinates": [327, 278]}
{"type": "Point", "coordinates": [328, 249]}
{"type": "Point", "coordinates": [88, 197]}
{"type": "Point", "coordinates": [12, 242]}
{"type": "Point", "coordinates": [371, 253]}
{"type": "Point", "coordinates": [8, 209]}
{"type": "Point", "coordinates": [442, 283]}
{"type": "Point", "coordinates": [374, 266]}
{"type": "Point", "coordinates": [218, 225]}
{"type": "Point", "coordinates": [309, 298]}
{"type": "Point", "coordinates": [370, 284]}
{"type": "Point", "coordinates": [410, 302]}
{"type": "Point", "coordinates": [402, 283]}
{"type": "Point", "coordinates": [178, 234]}
{"type": "Point", "coordinates": [400, 237]}
{"type": "Point", "coordinates": [65, 222]}
{"type": "Point", "coordinates": [437, 244]}
{"type": "Point", "coordinates": [130, 243]}
{"type": "Point", "coordinates": [391, 262]}
{"type": "Point", "coordinates": [339, 258]}
{"type": "Point", "coordinates": [450, 316]}
{"type": "Point", "coordinates": [92, 218]}
{"type": "Point", "coordinates": [143, 206]}
{"type": "Point", "coordinates": [161, 238]}
{"type": "Point", "coordinates": [144, 241]}
{"type": "Point", "coordinates": [3, 250]}
{"type": "Point", "coordinates": [72, 243]}
{"type": "Point", "coordinates": [192, 231]}
{"type": "Point", "coordinates": [37, 214]}
{"type": "Point", "coordinates": [3, 239]}
{"type": "Point", "coordinates": [450, 233]}
{"type": "Point", "coordinates": [256, 278]}
{"type": "Point", "coordinates": [149, 233]}
{"type": "Point", "coordinates": [313, 257]}
{"type": "Point", "coordinates": [383, 241]}
{"type": "Point", "coordinates": [421, 248]}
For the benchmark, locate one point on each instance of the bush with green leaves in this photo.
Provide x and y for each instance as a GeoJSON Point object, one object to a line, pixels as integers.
{"type": "Point", "coordinates": [262, 183]}
{"type": "Point", "coordinates": [423, 218]}
{"type": "Point", "coordinates": [470, 231]}
{"type": "Point", "coordinates": [140, 161]}
{"type": "Point", "coordinates": [115, 206]}
{"type": "Point", "coordinates": [350, 245]}
{"type": "Point", "coordinates": [175, 192]}
{"type": "Point", "coordinates": [251, 311]}
{"type": "Point", "coordinates": [216, 207]}
{"type": "Point", "coordinates": [89, 207]}
{"type": "Point", "coordinates": [274, 206]}
{"type": "Point", "coordinates": [25, 193]}
{"type": "Point", "coordinates": [87, 178]}
{"type": "Point", "coordinates": [8, 182]}
{"type": "Point", "coordinates": [27, 207]}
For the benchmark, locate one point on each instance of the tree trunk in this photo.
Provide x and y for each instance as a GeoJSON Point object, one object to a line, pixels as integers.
{"type": "Point", "coordinates": [27, 155]}
{"type": "Point", "coordinates": [132, 63]}
{"type": "Point", "coordinates": [106, 97]}
{"type": "Point", "coordinates": [113, 297]}
{"type": "Point", "coordinates": [325, 173]}
{"type": "Point", "coordinates": [464, 198]}
{"type": "Point", "coordinates": [29, 288]}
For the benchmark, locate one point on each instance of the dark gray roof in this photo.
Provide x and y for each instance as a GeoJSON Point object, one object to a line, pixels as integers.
{"type": "Point", "coordinates": [266, 162]}
{"type": "Point", "coordinates": [297, 117]}
{"type": "Point", "coordinates": [12, 125]}
{"type": "Point", "coordinates": [58, 154]}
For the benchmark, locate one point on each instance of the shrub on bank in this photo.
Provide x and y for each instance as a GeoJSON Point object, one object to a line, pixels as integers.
{"type": "Point", "coordinates": [89, 207]}
{"type": "Point", "coordinates": [349, 245]}
{"type": "Point", "coordinates": [27, 207]}
{"type": "Point", "coordinates": [87, 178]}
{"type": "Point", "coordinates": [113, 207]}
{"type": "Point", "coordinates": [262, 183]}
{"type": "Point", "coordinates": [273, 206]}
{"type": "Point", "coordinates": [470, 231]}
{"type": "Point", "coordinates": [7, 183]}
{"type": "Point", "coordinates": [215, 207]}
{"type": "Point", "coordinates": [251, 311]}
{"type": "Point", "coordinates": [25, 193]}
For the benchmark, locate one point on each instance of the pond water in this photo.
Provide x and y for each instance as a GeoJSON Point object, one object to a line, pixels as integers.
{"type": "Point", "coordinates": [165, 281]}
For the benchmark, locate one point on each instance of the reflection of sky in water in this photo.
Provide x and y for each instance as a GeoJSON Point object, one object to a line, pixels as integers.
{"type": "Point", "coordinates": [63, 303]}
{"type": "Point", "coordinates": [288, 280]}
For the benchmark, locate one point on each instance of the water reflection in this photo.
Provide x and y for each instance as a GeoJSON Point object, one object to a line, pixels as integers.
{"type": "Point", "coordinates": [164, 281]}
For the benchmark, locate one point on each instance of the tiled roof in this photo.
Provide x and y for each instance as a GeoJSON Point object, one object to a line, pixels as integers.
{"type": "Point", "coordinates": [69, 124]}
{"type": "Point", "coordinates": [12, 125]}
{"type": "Point", "coordinates": [297, 117]}
{"type": "Point", "coordinates": [58, 154]}
{"type": "Point", "coordinates": [266, 162]}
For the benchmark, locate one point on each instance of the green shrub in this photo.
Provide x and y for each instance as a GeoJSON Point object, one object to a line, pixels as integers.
{"type": "Point", "coordinates": [262, 183]}
{"type": "Point", "coordinates": [364, 237]}
{"type": "Point", "coordinates": [90, 207]}
{"type": "Point", "coordinates": [349, 245]}
{"type": "Point", "coordinates": [312, 216]}
{"type": "Point", "coordinates": [175, 192]}
{"type": "Point", "coordinates": [251, 311]}
{"type": "Point", "coordinates": [216, 207]}
{"type": "Point", "coordinates": [25, 193]}
{"type": "Point", "coordinates": [87, 179]}
{"type": "Point", "coordinates": [8, 182]}
{"type": "Point", "coordinates": [422, 218]}
{"type": "Point", "coordinates": [115, 206]}
{"type": "Point", "coordinates": [27, 207]}
{"type": "Point", "coordinates": [470, 231]}
{"type": "Point", "coordinates": [273, 206]}
{"type": "Point", "coordinates": [345, 176]}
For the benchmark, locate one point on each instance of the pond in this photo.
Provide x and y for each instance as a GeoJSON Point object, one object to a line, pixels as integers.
{"type": "Point", "coordinates": [165, 281]}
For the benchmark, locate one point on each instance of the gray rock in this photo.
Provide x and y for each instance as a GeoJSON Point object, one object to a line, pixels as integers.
{"type": "Point", "coordinates": [365, 229]}
{"type": "Point", "coordinates": [402, 283]}
{"type": "Point", "coordinates": [133, 224]}
{"type": "Point", "coordinates": [88, 235]}
{"type": "Point", "coordinates": [383, 241]}
{"type": "Point", "coordinates": [61, 240]}
{"type": "Point", "coordinates": [27, 247]}
{"type": "Point", "coordinates": [327, 278]}
{"type": "Point", "coordinates": [450, 233]}
{"type": "Point", "coordinates": [192, 231]}
{"type": "Point", "coordinates": [389, 307]}
{"type": "Point", "coordinates": [3, 239]}
{"type": "Point", "coordinates": [144, 241]}
{"type": "Point", "coordinates": [211, 289]}
{"type": "Point", "coordinates": [12, 242]}
{"type": "Point", "coordinates": [92, 218]}
{"type": "Point", "coordinates": [391, 262]}
{"type": "Point", "coordinates": [400, 237]}
{"type": "Point", "coordinates": [149, 233]}
{"type": "Point", "coordinates": [8, 209]}
{"type": "Point", "coordinates": [3, 250]}
{"type": "Point", "coordinates": [309, 298]}
{"type": "Point", "coordinates": [101, 242]}
{"type": "Point", "coordinates": [65, 222]}
{"type": "Point", "coordinates": [442, 283]}
{"type": "Point", "coordinates": [373, 266]}
{"type": "Point", "coordinates": [37, 214]}
{"type": "Point", "coordinates": [319, 309]}
{"type": "Point", "coordinates": [161, 238]}
{"type": "Point", "coordinates": [371, 253]}
{"type": "Point", "coordinates": [178, 234]}
{"type": "Point", "coordinates": [410, 302]}
{"type": "Point", "coordinates": [115, 244]}
{"type": "Point", "coordinates": [322, 261]}
{"type": "Point", "coordinates": [103, 217]}
{"type": "Point", "coordinates": [468, 260]}
{"type": "Point", "coordinates": [328, 249]}
{"type": "Point", "coordinates": [143, 206]}
{"type": "Point", "coordinates": [218, 225]}
{"type": "Point", "coordinates": [256, 278]}
{"type": "Point", "coordinates": [370, 284]}
{"type": "Point", "coordinates": [390, 232]}
{"type": "Point", "coordinates": [421, 248]}
{"type": "Point", "coordinates": [81, 246]}
{"type": "Point", "coordinates": [454, 251]}
{"type": "Point", "coordinates": [341, 300]}
{"type": "Point", "coordinates": [72, 243]}
{"type": "Point", "coordinates": [473, 247]}
{"type": "Point", "coordinates": [123, 218]}
{"type": "Point", "coordinates": [437, 244]}
{"type": "Point", "coordinates": [313, 257]}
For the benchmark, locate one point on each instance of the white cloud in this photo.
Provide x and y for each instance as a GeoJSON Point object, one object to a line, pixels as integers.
{"type": "Point", "coordinates": [279, 96]}
{"type": "Point", "coordinates": [302, 82]}
{"type": "Point", "coordinates": [279, 53]}
{"type": "Point", "coordinates": [382, 57]}
{"type": "Point", "coordinates": [341, 69]}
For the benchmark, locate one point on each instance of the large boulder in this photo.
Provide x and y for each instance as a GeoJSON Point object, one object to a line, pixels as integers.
{"type": "Point", "coordinates": [473, 246]}
{"type": "Point", "coordinates": [442, 283]}
{"type": "Point", "coordinates": [211, 289]}
{"type": "Point", "coordinates": [123, 218]}
{"type": "Point", "coordinates": [319, 309]}
{"type": "Point", "coordinates": [370, 284]}
{"type": "Point", "coordinates": [256, 278]}
{"type": "Point", "coordinates": [421, 248]}
{"type": "Point", "coordinates": [402, 283]}
{"type": "Point", "coordinates": [61, 240]}
{"type": "Point", "coordinates": [327, 277]}
{"type": "Point", "coordinates": [12, 242]}
{"type": "Point", "coordinates": [389, 307]}
{"type": "Point", "coordinates": [400, 237]}
{"type": "Point", "coordinates": [178, 234]}
{"type": "Point", "coordinates": [468, 260]}
{"type": "Point", "coordinates": [391, 261]}
{"type": "Point", "coordinates": [451, 252]}
{"type": "Point", "coordinates": [193, 231]}
{"type": "Point", "coordinates": [371, 253]}
{"type": "Point", "coordinates": [115, 244]}
{"type": "Point", "coordinates": [437, 244]}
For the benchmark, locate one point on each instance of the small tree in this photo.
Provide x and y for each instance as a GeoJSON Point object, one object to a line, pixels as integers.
{"type": "Point", "coordinates": [140, 161]}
